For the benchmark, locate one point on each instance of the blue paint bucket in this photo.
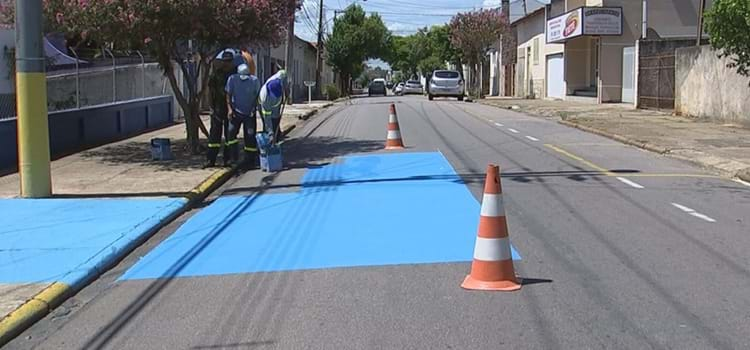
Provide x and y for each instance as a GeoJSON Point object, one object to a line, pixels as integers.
{"type": "Point", "coordinates": [161, 149]}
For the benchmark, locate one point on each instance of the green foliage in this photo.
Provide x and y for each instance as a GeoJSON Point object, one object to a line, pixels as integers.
{"type": "Point", "coordinates": [728, 24]}
{"type": "Point", "coordinates": [332, 92]}
{"type": "Point", "coordinates": [356, 37]}
{"type": "Point", "coordinates": [423, 52]}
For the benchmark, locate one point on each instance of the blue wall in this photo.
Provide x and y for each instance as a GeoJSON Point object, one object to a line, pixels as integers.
{"type": "Point", "coordinates": [73, 130]}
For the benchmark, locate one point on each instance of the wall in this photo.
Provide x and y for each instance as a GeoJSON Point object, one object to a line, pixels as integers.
{"type": "Point", "coordinates": [656, 72]}
{"type": "Point", "coordinates": [705, 87]}
{"type": "Point", "coordinates": [530, 31]}
{"type": "Point", "coordinates": [610, 69]}
{"type": "Point", "coordinates": [673, 18]}
{"type": "Point", "coordinates": [78, 129]}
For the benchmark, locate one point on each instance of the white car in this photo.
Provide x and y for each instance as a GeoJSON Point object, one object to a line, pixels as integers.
{"type": "Point", "coordinates": [399, 89]}
{"type": "Point", "coordinates": [413, 87]}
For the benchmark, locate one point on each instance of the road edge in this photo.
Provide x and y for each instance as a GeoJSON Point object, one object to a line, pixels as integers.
{"type": "Point", "coordinates": [56, 293]}
{"type": "Point", "coordinates": [743, 174]}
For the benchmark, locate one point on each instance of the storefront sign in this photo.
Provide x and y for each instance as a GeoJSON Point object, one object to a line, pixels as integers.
{"type": "Point", "coordinates": [602, 21]}
{"type": "Point", "coordinates": [585, 21]}
{"type": "Point", "coordinates": [565, 26]}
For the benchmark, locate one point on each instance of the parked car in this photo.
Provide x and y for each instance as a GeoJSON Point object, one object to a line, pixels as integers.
{"type": "Point", "coordinates": [413, 87]}
{"type": "Point", "coordinates": [399, 89]}
{"type": "Point", "coordinates": [446, 83]}
{"type": "Point", "coordinates": [389, 85]}
{"type": "Point", "coordinates": [377, 87]}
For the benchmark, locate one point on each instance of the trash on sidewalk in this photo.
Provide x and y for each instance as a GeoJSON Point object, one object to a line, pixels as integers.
{"type": "Point", "coordinates": [161, 149]}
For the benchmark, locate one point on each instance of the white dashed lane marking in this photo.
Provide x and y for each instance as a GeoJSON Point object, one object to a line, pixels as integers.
{"type": "Point", "coordinates": [630, 183]}
{"type": "Point", "coordinates": [532, 138]}
{"type": "Point", "coordinates": [694, 213]}
{"type": "Point", "coordinates": [498, 124]}
{"type": "Point", "coordinates": [513, 131]}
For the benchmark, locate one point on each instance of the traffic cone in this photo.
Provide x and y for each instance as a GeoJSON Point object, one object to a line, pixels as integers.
{"type": "Point", "coordinates": [492, 268]}
{"type": "Point", "coordinates": [393, 141]}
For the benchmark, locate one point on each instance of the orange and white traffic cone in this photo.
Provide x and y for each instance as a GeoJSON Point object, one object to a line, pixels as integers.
{"type": "Point", "coordinates": [492, 268]}
{"type": "Point", "coordinates": [393, 140]}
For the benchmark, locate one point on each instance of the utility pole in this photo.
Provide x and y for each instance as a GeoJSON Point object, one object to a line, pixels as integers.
{"type": "Point", "coordinates": [31, 99]}
{"type": "Point", "coordinates": [701, 11]}
{"type": "Point", "coordinates": [289, 56]}
{"type": "Point", "coordinates": [319, 66]}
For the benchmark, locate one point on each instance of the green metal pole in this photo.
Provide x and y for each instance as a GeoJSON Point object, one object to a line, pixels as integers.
{"type": "Point", "coordinates": [31, 101]}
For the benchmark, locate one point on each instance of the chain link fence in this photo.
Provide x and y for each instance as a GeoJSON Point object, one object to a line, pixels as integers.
{"type": "Point", "coordinates": [90, 77]}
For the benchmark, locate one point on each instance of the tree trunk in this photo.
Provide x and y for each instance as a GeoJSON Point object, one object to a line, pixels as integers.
{"type": "Point", "coordinates": [191, 109]}
{"type": "Point", "coordinates": [473, 72]}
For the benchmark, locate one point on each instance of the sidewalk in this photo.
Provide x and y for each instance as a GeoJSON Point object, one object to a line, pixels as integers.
{"type": "Point", "coordinates": [721, 148]}
{"type": "Point", "coordinates": [107, 201]}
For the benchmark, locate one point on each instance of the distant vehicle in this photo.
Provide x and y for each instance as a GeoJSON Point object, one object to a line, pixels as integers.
{"type": "Point", "coordinates": [399, 89]}
{"type": "Point", "coordinates": [377, 87]}
{"type": "Point", "coordinates": [413, 87]}
{"type": "Point", "coordinates": [446, 83]}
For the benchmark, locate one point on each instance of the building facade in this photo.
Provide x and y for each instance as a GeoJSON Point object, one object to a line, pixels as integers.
{"type": "Point", "coordinates": [588, 50]}
{"type": "Point", "coordinates": [600, 42]}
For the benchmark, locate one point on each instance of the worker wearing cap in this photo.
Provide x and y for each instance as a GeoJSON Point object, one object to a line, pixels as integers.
{"type": "Point", "coordinates": [223, 68]}
{"type": "Point", "coordinates": [242, 95]}
{"type": "Point", "coordinates": [272, 97]}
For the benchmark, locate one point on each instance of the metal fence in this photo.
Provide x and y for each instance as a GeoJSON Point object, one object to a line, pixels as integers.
{"type": "Point", "coordinates": [656, 72]}
{"type": "Point", "coordinates": [89, 77]}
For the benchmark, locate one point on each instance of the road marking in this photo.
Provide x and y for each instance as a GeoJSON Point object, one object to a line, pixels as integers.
{"type": "Point", "coordinates": [498, 124]}
{"type": "Point", "coordinates": [630, 183]}
{"type": "Point", "coordinates": [694, 213]}
{"type": "Point", "coordinates": [675, 175]}
{"type": "Point", "coordinates": [742, 182]}
{"type": "Point", "coordinates": [513, 131]}
{"type": "Point", "coordinates": [581, 160]}
{"type": "Point", "coordinates": [532, 138]}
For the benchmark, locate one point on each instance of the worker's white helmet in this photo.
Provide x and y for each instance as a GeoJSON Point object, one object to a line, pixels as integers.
{"type": "Point", "coordinates": [244, 71]}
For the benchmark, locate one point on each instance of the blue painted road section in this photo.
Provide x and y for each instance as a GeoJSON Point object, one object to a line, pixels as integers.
{"type": "Point", "coordinates": [409, 208]}
{"type": "Point", "coordinates": [65, 240]}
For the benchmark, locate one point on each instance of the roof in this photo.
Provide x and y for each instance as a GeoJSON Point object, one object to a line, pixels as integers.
{"type": "Point", "coordinates": [517, 12]}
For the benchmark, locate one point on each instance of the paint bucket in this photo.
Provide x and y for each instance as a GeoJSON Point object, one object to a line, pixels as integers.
{"type": "Point", "coordinates": [161, 149]}
{"type": "Point", "coordinates": [270, 155]}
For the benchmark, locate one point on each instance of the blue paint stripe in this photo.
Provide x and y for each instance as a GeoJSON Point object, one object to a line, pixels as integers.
{"type": "Point", "coordinates": [409, 208]}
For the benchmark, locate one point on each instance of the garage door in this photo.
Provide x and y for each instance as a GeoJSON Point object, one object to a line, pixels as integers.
{"type": "Point", "coordinates": [555, 78]}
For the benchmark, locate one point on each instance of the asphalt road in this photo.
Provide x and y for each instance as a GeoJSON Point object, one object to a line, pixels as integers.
{"type": "Point", "coordinates": [620, 248]}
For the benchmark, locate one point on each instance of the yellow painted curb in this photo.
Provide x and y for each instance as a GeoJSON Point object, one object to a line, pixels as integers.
{"type": "Point", "coordinates": [208, 184]}
{"type": "Point", "coordinates": [31, 311]}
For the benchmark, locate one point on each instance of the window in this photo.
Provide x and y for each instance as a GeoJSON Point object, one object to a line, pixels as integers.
{"type": "Point", "coordinates": [536, 51]}
{"type": "Point", "coordinates": [446, 74]}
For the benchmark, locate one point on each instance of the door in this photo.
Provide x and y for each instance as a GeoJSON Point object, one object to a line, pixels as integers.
{"type": "Point", "coordinates": [628, 74]}
{"type": "Point", "coordinates": [555, 76]}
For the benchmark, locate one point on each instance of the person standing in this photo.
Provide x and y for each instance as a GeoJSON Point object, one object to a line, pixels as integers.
{"type": "Point", "coordinates": [223, 68]}
{"type": "Point", "coordinates": [242, 91]}
{"type": "Point", "coordinates": [272, 97]}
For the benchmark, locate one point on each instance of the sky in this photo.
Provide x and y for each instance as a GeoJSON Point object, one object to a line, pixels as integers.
{"type": "Point", "coordinates": [402, 17]}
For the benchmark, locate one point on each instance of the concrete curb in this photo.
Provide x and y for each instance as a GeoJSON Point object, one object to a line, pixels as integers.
{"type": "Point", "coordinates": [620, 138]}
{"type": "Point", "coordinates": [56, 293]}
{"type": "Point", "coordinates": [743, 175]}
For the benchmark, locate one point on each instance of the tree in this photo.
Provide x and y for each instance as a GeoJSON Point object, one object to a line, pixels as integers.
{"type": "Point", "coordinates": [473, 33]}
{"type": "Point", "coordinates": [356, 37]}
{"type": "Point", "coordinates": [728, 24]}
{"type": "Point", "coordinates": [166, 27]}
{"type": "Point", "coordinates": [423, 52]}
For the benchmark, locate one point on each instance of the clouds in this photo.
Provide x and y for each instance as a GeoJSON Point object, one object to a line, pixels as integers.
{"type": "Point", "coordinates": [488, 4]}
